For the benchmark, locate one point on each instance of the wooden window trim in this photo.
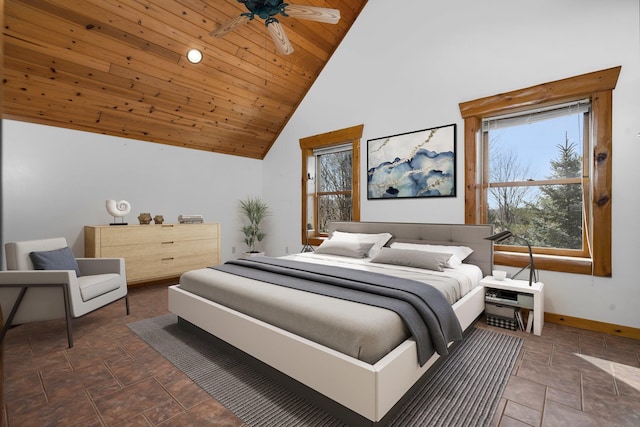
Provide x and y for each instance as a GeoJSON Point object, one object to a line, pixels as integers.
{"type": "Point", "coordinates": [307, 145]}
{"type": "Point", "coordinates": [598, 86]}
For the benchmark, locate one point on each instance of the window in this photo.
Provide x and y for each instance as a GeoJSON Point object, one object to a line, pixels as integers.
{"type": "Point", "coordinates": [333, 184]}
{"type": "Point", "coordinates": [535, 176]}
{"type": "Point", "coordinates": [518, 180]}
{"type": "Point", "coordinates": [330, 180]}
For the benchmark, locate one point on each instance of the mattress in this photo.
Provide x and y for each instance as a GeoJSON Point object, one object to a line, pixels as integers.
{"type": "Point", "coordinates": [361, 331]}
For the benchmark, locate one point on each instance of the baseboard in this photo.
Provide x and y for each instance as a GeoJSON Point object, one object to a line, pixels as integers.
{"type": "Point", "coordinates": [593, 325]}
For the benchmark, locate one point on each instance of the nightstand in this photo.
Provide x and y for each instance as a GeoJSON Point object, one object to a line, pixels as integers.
{"type": "Point", "coordinates": [518, 295]}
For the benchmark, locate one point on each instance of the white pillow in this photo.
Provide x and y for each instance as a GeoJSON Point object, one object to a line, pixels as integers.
{"type": "Point", "coordinates": [459, 253]}
{"type": "Point", "coordinates": [348, 249]}
{"type": "Point", "coordinates": [410, 258]}
{"type": "Point", "coordinates": [378, 240]}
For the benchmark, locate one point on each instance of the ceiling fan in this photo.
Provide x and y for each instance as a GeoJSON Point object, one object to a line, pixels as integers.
{"type": "Point", "coordinates": [268, 9]}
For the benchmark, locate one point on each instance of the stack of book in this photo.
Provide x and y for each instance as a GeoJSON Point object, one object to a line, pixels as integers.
{"type": "Point", "coordinates": [190, 219]}
{"type": "Point", "coordinates": [524, 326]}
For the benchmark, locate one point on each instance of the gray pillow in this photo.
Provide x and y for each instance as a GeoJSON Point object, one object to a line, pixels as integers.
{"type": "Point", "coordinates": [57, 259]}
{"type": "Point", "coordinates": [348, 249]}
{"type": "Point", "coordinates": [410, 258]}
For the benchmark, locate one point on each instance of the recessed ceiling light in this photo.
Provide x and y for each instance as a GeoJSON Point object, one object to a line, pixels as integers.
{"type": "Point", "coordinates": [194, 56]}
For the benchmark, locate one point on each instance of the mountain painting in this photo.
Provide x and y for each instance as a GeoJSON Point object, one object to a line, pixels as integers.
{"type": "Point", "coordinates": [413, 164]}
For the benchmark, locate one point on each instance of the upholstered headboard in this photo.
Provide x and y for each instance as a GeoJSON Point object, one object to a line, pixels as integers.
{"type": "Point", "coordinates": [469, 235]}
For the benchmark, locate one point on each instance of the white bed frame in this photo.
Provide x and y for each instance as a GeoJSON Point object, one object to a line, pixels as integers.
{"type": "Point", "coordinates": [370, 391]}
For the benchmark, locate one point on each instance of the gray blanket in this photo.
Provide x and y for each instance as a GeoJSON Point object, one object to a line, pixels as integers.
{"type": "Point", "coordinates": [426, 312]}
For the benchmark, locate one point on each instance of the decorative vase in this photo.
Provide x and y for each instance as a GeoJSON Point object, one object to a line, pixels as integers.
{"type": "Point", "coordinates": [158, 219]}
{"type": "Point", "coordinates": [144, 218]}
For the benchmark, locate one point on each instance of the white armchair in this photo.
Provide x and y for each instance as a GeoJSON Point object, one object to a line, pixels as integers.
{"type": "Point", "coordinates": [29, 295]}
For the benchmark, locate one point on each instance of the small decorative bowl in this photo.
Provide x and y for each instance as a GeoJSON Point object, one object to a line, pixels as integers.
{"type": "Point", "coordinates": [499, 274]}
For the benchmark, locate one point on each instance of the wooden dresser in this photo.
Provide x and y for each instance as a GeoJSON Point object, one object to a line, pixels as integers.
{"type": "Point", "coordinates": [155, 251]}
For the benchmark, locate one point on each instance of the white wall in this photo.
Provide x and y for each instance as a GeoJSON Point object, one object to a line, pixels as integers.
{"type": "Point", "coordinates": [56, 180]}
{"type": "Point", "coordinates": [406, 66]}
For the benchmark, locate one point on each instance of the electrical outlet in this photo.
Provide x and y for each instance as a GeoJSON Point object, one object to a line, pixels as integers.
{"type": "Point", "coordinates": [233, 249]}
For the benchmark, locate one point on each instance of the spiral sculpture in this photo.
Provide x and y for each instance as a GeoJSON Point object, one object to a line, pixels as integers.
{"type": "Point", "coordinates": [118, 209]}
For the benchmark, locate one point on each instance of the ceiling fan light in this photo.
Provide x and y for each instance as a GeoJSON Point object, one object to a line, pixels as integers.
{"type": "Point", "coordinates": [194, 56]}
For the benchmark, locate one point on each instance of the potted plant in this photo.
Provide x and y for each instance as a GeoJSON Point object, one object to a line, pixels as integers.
{"type": "Point", "coordinates": [255, 210]}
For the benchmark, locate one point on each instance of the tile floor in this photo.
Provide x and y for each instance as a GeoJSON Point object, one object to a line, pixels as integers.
{"type": "Point", "coordinates": [566, 377]}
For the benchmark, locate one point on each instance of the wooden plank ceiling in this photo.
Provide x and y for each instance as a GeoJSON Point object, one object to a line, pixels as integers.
{"type": "Point", "coordinates": [118, 67]}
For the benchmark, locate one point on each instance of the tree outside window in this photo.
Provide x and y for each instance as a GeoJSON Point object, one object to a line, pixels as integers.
{"type": "Point", "coordinates": [334, 183]}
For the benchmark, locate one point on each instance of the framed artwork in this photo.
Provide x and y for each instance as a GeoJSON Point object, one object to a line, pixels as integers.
{"type": "Point", "coordinates": [413, 164]}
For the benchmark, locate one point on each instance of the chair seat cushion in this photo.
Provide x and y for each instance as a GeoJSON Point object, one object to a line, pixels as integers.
{"type": "Point", "coordinates": [98, 284]}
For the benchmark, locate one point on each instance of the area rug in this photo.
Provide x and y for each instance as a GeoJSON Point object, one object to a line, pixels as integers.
{"type": "Point", "coordinates": [464, 390]}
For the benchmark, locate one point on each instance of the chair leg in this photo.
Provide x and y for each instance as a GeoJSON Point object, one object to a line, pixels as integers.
{"type": "Point", "coordinates": [13, 312]}
{"type": "Point", "coordinates": [16, 305]}
{"type": "Point", "coordinates": [67, 315]}
{"type": "Point", "coordinates": [126, 302]}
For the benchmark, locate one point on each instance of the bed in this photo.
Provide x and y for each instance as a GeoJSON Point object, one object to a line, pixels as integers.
{"type": "Point", "coordinates": [360, 386]}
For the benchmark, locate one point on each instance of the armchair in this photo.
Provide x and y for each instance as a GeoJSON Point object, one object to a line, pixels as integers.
{"type": "Point", "coordinates": [29, 295]}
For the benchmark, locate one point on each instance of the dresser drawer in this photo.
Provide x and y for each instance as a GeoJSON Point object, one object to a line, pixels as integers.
{"type": "Point", "coordinates": [147, 267]}
{"type": "Point", "coordinates": [155, 233]}
{"type": "Point", "coordinates": [167, 249]}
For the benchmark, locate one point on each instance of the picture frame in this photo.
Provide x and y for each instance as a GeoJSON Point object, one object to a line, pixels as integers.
{"type": "Point", "coordinates": [414, 164]}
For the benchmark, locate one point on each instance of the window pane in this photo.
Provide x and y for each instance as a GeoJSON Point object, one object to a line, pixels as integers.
{"type": "Point", "coordinates": [333, 207]}
{"type": "Point", "coordinates": [530, 151]}
{"type": "Point", "coordinates": [548, 216]}
{"type": "Point", "coordinates": [335, 171]}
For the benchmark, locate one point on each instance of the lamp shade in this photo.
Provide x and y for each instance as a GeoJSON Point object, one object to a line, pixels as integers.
{"type": "Point", "coordinates": [498, 237]}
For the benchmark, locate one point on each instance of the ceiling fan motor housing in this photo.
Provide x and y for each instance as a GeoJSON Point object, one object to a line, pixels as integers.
{"type": "Point", "coordinates": [265, 9]}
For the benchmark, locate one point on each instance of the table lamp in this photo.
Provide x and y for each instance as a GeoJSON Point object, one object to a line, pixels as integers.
{"type": "Point", "coordinates": [503, 235]}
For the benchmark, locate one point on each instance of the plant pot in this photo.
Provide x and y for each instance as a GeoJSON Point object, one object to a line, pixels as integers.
{"type": "Point", "coordinates": [251, 254]}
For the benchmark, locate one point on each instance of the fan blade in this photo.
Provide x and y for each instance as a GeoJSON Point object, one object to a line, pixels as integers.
{"type": "Point", "coordinates": [313, 13]}
{"type": "Point", "coordinates": [229, 26]}
{"type": "Point", "coordinates": [280, 38]}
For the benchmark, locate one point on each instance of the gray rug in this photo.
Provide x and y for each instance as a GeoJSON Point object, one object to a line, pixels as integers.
{"type": "Point", "coordinates": [463, 391]}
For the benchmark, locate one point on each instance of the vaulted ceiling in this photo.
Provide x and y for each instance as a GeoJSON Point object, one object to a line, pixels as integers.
{"type": "Point", "coordinates": [118, 67]}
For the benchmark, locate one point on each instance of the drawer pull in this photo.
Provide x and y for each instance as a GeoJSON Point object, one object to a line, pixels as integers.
{"type": "Point", "coordinates": [166, 226]}
{"type": "Point", "coordinates": [167, 243]}
{"type": "Point", "coordinates": [167, 259]}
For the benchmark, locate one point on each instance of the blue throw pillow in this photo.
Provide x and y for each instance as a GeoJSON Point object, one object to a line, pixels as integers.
{"type": "Point", "coordinates": [57, 259]}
